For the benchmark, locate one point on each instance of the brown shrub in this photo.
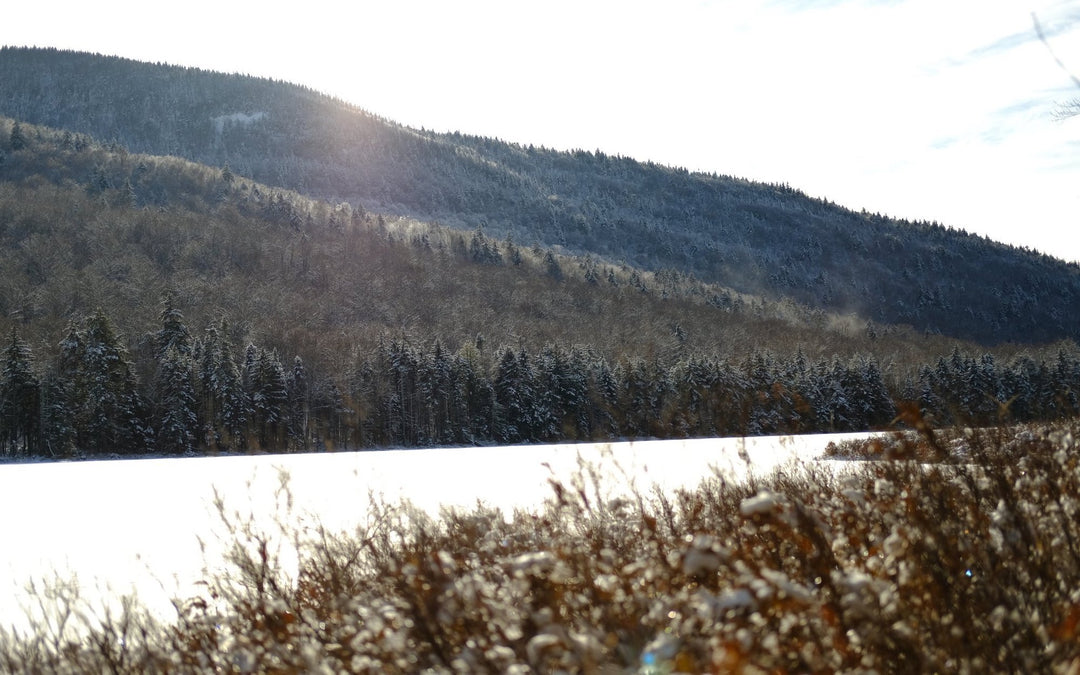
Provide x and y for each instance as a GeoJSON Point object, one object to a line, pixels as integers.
{"type": "Point", "coordinates": [970, 564]}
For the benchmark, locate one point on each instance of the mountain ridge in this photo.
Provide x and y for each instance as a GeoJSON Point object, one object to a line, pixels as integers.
{"type": "Point", "coordinates": [65, 199]}
{"type": "Point", "coordinates": [769, 240]}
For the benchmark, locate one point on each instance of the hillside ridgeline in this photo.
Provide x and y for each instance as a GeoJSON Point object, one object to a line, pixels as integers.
{"type": "Point", "coordinates": [768, 240]}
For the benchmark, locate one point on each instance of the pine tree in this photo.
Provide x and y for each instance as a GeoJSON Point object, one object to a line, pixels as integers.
{"type": "Point", "coordinates": [1021, 388]}
{"type": "Point", "coordinates": [552, 267]}
{"type": "Point", "coordinates": [563, 394]}
{"type": "Point", "coordinates": [19, 401]}
{"type": "Point", "coordinates": [174, 332]}
{"type": "Point", "coordinates": [393, 388]}
{"type": "Point", "coordinates": [62, 396]}
{"type": "Point", "coordinates": [177, 423]}
{"type": "Point", "coordinates": [931, 405]}
{"type": "Point", "coordinates": [328, 413]}
{"type": "Point", "coordinates": [1067, 377]}
{"type": "Point", "coordinates": [250, 370]}
{"type": "Point", "coordinates": [876, 403]}
{"type": "Point", "coordinates": [94, 384]}
{"type": "Point", "coordinates": [299, 408]}
{"type": "Point", "coordinates": [57, 427]}
{"type": "Point", "coordinates": [441, 396]}
{"type": "Point", "coordinates": [515, 398]}
{"type": "Point", "coordinates": [478, 395]}
{"type": "Point", "coordinates": [112, 417]}
{"type": "Point", "coordinates": [224, 406]}
{"type": "Point", "coordinates": [644, 389]}
{"type": "Point", "coordinates": [845, 397]}
{"type": "Point", "coordinates": [17, 139]}
{"type": "Point", "coordinates": [604, 394]}
{"type": "Point", "coordinates": [269, 400]}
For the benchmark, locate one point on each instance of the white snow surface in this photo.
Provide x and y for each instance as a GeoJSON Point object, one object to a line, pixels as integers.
{"type": "Point", "coordinates": [238, 118]}
{"type": "Point", "coordinates": [120, 526]}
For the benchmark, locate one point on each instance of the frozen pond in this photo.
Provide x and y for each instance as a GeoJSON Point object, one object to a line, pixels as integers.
{"type": "Point", "coordinates": [134, 525]}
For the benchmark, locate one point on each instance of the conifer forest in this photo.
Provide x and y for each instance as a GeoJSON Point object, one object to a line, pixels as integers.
{"type": "Point", "coordinates": [179, 287]}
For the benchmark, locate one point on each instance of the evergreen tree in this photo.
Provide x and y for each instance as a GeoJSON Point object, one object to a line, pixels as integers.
{"type": "Point", "coordinates": [173, 332]}
{"type": "Point", "coordinates": [605, 398]}
{"type": "Point", "coordinates": [205, 352]}
{"type": "Point", "coordinates": [1018, 387]}
{"type": "Point", "coordinates": [328, 413]}
{"type": "Point", "coordinates": [513, 251]}
{"type": "Point", "coordinates": [17, 139]}
{"type": "Point", "coordinates": [177, 423]}
{"type": "Point", "coordinates": [877, 407]}
{"type": "Point", "coordinates": [478, 395]}
{"type": "Point", "coordinates": [552, 267]}
{"type": "Point", "coordinates": [765, 410]}
{"type": "Point", "coordinates": [299, 407]}
{"type": "Point", "coordinates": [395, 392]}
{"type": "Point", "coordinates": [250, 369]}
{"type": "Point", "coordinates": [269, 398]}
{"type": "Point", "coordinates": [563, 393]}
{"type": "Point", "coordinates": [645, 388]}
{"type": "Point", "coordinates": [108, 416]}
{"type": "Point", "coordinates": [515, 398]}
{"type": "Point", "coordinates": [225, 408]}
{"type": "Point", "coordinates": [1067, 377]}
{"type": "Point", "coordinates": [57, 426]}
{"type": "Point", "coordinates": [116, 415]}
{"type": "Point", "coordinates": [19, 401]}
{"type": "Point", "coordinates": [442, 397]}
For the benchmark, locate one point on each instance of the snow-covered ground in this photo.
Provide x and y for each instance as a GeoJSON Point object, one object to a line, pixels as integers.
{"type": "Point", "coordinates": [221, 122]}
{"type": "Point", "coordinates": [135, 525]}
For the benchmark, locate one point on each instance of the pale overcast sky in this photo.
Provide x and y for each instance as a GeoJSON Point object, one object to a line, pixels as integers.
{"type": "Point", "coordinates": [923, 109]}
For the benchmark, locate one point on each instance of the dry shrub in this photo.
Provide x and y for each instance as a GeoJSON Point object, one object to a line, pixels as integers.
{"type": "Point", "coordinates": [969, 564]}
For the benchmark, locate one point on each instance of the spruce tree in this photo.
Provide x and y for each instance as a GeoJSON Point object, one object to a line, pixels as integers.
{"type": "Point", "coordinates": [93, 386]}
{"type": "Point", "coordinates": [441, 396]}
{"type": "Point", "coordinates": [110, 415]}
{"type": "Point", "coordinates": [224, 406]}
{"type": "Point", "coordinates": [19, 401]}
{"type": "Point", "coordinates": [173, 333]}
{"type": "Point", "coordinates": [515, 398]}
{"type": "Point", "coordinates": [177, 423]}
{"type": "Point", "coordinates": [57, 416]}
{"type": "Point", "coordinates": [269, 398]}
{"type": "Point", "coordinates": [17, 139]}
{"type": "Point", "coordinates": [478, 395]}
{"type": "Point", "coordinates": [299, 408]}
{"type": "Point", "coordinates": [327, 413]}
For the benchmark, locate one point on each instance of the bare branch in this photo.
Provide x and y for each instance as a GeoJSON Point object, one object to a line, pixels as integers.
{"type": "Point", "coordinates": [1071, 108]}
{"type": "Point", "coordinates": [1067, 110]}
{"type": "Point", "coordinates": [1046, 42]}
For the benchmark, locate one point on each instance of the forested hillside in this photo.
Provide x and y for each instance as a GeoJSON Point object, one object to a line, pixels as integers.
{"type": "Point", "coordinates": [766, 240]}
{"type": "Point", "coordinates": [151, 304]}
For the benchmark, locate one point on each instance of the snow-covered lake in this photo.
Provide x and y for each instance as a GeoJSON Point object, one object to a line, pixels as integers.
{"type": "Point", "coordinates": [134, 525]}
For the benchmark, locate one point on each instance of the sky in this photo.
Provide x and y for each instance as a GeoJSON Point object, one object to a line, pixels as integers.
{"type": "Point", "coordinates": [918, 109]}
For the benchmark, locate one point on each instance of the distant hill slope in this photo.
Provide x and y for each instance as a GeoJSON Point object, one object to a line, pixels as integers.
{"type": "Point", "coordinates": [83, 227]}
{"type": "Point", "coordinates": [752, 237]}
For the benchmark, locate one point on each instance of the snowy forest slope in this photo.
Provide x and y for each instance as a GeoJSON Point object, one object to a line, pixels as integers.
{"type": "Point", "coordinates": [200, 288]}
{"type": "Point", "coordinates": [756, 238]}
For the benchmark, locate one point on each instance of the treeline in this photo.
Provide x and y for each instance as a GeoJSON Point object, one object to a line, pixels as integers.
{"type": "Point", "coordinates": [204, 394]}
